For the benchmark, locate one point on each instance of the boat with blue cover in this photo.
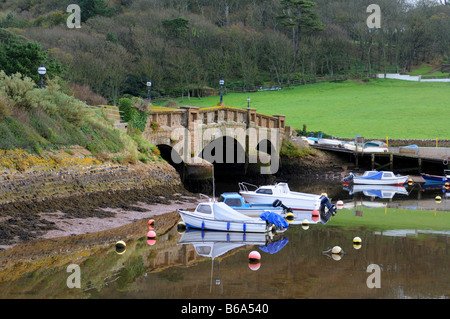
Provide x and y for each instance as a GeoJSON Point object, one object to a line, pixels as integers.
{"type": "Point", "coordinates": [376, 178]}
{"type": "Point", "coordinates": [237, 202]}
{"type": "Point", "coordinates": [221, 217]}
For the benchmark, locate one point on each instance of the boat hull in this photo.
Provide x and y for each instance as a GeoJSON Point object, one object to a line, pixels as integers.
{"type": "Point", "coordinates": [193, 220]}
{"type": "Point", "coordinates": [390, 181]}
{"type": "Point", "coordinates": [306, 202]}
{"type": "Point", "coordinates": [435, 179]}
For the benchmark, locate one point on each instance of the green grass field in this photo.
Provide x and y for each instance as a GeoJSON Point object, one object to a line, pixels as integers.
{"type": "Point", "coordinates": [375, 109]}
{"type": "Point", "coordinates": [391, 218]}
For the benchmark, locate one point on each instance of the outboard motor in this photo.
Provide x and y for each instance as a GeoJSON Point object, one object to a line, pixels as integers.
{"type": "Point", "coordinates": [278, 203]}
{"type": "Point", "coordinates": [325, 203]}
{"type": "Point", "coordinates": [348, 178]}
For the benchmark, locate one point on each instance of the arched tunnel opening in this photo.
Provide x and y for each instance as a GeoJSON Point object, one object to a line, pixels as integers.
{"type": "Point", "coordinates": [227, 155]}
{"type": "Point", "coordinates": [173, 159]}
{"type": "Point", "coordinates": [230, 165]}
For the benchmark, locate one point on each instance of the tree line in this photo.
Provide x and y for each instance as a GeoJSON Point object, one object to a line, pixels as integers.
{"type": "Point", "coordinates": [182, 46]}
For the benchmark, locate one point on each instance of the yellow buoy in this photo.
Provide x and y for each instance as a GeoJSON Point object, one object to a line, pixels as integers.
{"type": "Point", "coordinates": [121, 247]}
{"type": "Point", "coordinates": [290, 217]}
{"type": "Point", "coordinates": [181, 227]}
{"type": "Point", "coordinates": [305, 224]}
{"type": "Point", "coordinates": [357, 243]}
{"type": "Point", "coordinates": [438, 199]}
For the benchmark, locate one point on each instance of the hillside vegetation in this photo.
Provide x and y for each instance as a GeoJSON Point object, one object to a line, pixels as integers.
{"type": "Point", "coordinates": [36, 124]}
{"type": "Point", "coordinates": [185, 46]}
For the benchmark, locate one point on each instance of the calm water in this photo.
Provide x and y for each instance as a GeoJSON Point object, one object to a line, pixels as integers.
{"type": "Point", "coordinates": [406, 236]}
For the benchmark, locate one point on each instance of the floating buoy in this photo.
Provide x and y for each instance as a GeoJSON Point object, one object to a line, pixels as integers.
{"type": "Point", "coordinates": [289, 217]}
{"type": "Point", "coordinates": [315, 215]}
{"type": "Point", "coordinates": [305, 224]}
{"type": "Point", "coordinates": [339, 204]}
{"type": "Point", "coordinates": [254, 257]}
{"type": "Point", "coordinates": [151, 223]}
{"type": "Point", "coordinates": [438, 199]}
{"type": "Point", "coordinates": [357, 243]}
{"type": "Point", "coordinates": [181, 227]}
{"type": "Point", "coordinates": [151, 238]}
{"type": "Point", "coordinates": [410, 181]}
{"type": "Point", "coordinates": [121, 247]}
{"type": "Point", "coordinates": [254, 267]}
{"type": "Point", "coordinates": [336, 250]}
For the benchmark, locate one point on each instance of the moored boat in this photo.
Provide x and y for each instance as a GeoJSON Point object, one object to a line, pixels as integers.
{"type": "Point", "coordinates": [237, 202]}
{"type": "Point", "coordinates": [376, 178]}
{"type": "Point", "coordinates": [293, 200]}
{"type": "Point", "coordinates": [221, 217]}
{"type": "Point", "coordinates": [436, 179]}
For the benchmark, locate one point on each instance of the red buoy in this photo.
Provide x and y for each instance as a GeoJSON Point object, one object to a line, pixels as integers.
{"type": "Point", "coordinates": [254, 256]}
{"type": "Point", "coordinates": [151, 223]}
{"type": "Point", "coordinates": [151, 238]}
{"type": "Point", "coordinates": [315, 215]}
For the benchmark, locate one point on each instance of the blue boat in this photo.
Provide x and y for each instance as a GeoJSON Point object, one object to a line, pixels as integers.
{"type": "Point", "coordinates": [436, 179]}
{"type": "Point", "coordinates": [237, 202]}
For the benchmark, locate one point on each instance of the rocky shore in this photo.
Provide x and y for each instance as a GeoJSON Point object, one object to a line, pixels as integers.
{"type": "Point", "coordinates": [71, 201]}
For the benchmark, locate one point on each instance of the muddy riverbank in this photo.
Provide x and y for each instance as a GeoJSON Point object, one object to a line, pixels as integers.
{"type": "Point", "coordinates": [77, 201]}
{"type": "Point", "coordinates": [73, 201]}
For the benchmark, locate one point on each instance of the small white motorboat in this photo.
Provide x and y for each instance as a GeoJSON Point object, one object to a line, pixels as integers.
{"type": "Point", "coordinates": [376, 178]}
{"type": "Point", "coordinates": [294, 200]}
{"type": "Point", "coordinates": [221, 217]}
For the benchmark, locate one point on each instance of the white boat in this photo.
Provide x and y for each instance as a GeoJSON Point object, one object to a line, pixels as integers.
{"type": "Point", "coordinates": [294, 200]}
{"type": "Point", "coordinates": [221, 217]}
{"type": "Point", "coordinates": [328, 141]}
{"type": "Point", "coordinates": [377, 178]}
{"type": "Point", "coordinates": [366, 148]}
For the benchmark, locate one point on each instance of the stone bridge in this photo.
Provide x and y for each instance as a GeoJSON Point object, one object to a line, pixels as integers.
{"type": "Point", "coordinates": [196, 137]}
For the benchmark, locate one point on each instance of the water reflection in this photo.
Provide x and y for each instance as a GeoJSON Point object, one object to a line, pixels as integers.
{"type": "Point", "coordinates": [406, 235]}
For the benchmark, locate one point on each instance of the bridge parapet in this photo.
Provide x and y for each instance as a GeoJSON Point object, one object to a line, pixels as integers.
{"type": "Point", "coordinates": [187, 115]}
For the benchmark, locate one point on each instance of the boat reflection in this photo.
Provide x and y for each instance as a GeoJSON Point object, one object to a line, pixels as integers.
{"type": "Point", "coordinates": [377, 191]}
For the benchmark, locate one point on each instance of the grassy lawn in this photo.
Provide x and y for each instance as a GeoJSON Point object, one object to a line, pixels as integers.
{"type": "Point", "coordinates": [374, 109]}
{"type": "Point", "coordinates": [381, 219]}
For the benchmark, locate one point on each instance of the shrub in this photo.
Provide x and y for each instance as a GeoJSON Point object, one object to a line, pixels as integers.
{"type": "Point", "coordinates": [16, 88]}
{"type": "Point", "coordinates": [4, 107]}
{"type": "Point", "coordinates": [134, 112]}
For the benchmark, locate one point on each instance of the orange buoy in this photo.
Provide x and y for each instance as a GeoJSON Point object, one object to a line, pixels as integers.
{"type": "Point", "coordinates": [151, 223]}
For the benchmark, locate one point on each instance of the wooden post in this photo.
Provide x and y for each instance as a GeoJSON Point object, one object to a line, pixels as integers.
{"type": "Point", "coordinates": [391, 161]}
{"type": "Point", "coordinates": [373, 160]}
